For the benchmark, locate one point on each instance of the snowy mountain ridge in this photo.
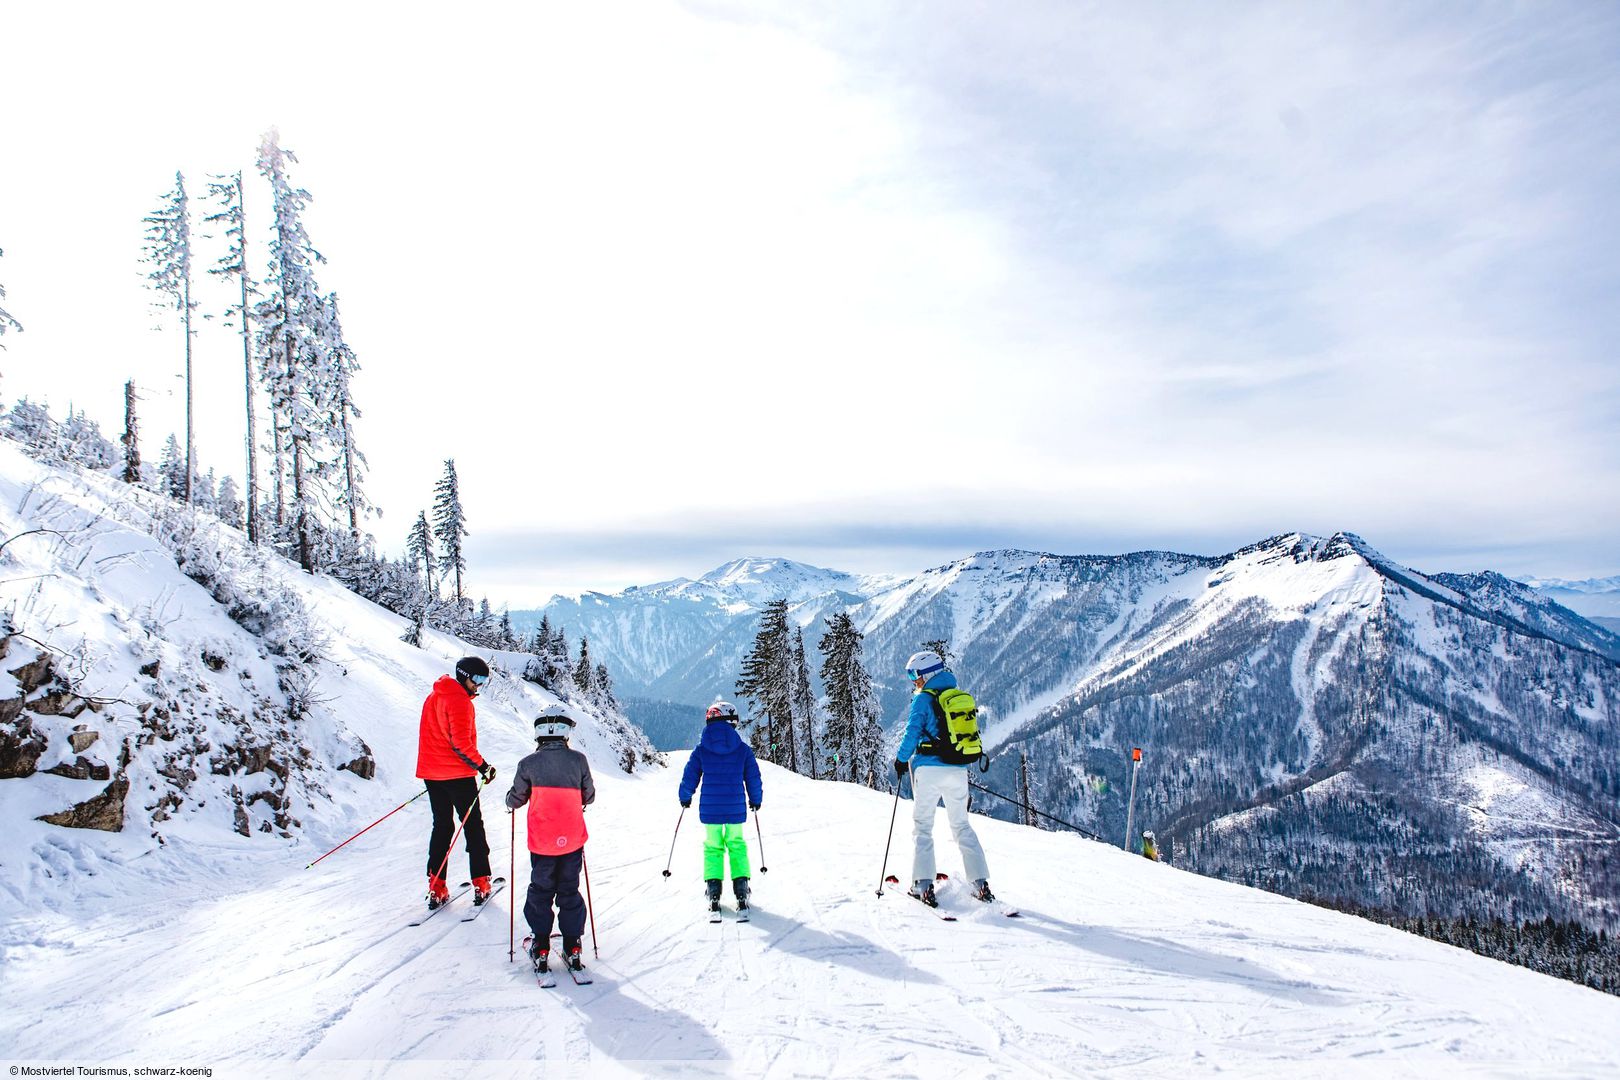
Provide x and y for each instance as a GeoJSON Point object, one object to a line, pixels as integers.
{"type": "Point", "coordinates": [1296, 667]}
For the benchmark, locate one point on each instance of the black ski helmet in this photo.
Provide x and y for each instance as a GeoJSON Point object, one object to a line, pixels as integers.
{"type": "Point", "coordinates": [468, 666]}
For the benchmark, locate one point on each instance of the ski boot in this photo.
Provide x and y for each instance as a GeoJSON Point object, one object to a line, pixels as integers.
{"type": "Point", "coordinates": [981, 890]}
{"type": "Point", "coordinates": [740, 889]}
{"type": "Point", "coordinates": [438, 893]}
{"type": "Point", "coordinates": [481, 890]}
{"type": "Point", "coordinates": [539, 955]}
{"type": "Point", "coordinates": [923, 890]}
{"type": "Point", "coordinates": [572, 949]}
{"type": "Point", "coordinates": [713, 885]}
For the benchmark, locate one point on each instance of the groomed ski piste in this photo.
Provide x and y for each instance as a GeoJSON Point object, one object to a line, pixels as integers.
{"type": "Point", "coordinates": [219, 951]}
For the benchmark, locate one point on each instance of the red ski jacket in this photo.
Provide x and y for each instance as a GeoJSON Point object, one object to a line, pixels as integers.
{"type": "Point", "coordinates": [556, 783]}
{"type": "Point", "coordinates": [447, 748]}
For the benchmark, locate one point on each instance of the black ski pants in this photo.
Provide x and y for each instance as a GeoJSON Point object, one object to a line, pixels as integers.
{"type": "Point", "coordinates": [451, 799]}
{"type": "Point", "coordinates": [555, 877]}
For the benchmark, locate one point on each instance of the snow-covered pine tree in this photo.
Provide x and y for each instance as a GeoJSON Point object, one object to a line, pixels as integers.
{"type": "Point", "coordinates": [172, 469]}
{"type": "Point", "coordinates": [168, 251]}
{"type": "Point", "coordinates": [450, 525]}
{"type": "Point", "coordinates": [558, 659]}
{"type": "Point", "coordinates": [131, 438]}
{"type": "Point", "coordinates": [854, 726]}
{"type": "Point", "coordinates": [584, 670]}
{"type": "Point", "coordinates": [507, 637]}
{"type": "Point", "coordinates": [602, 690]}
{"type": "Point", "coordinates": [291, 321]}
{"type": "Point", "coordinates": [31, 425]}
{"type": "Point", "coordinates": [339, 365]}
{"type": "Point", "coordinates": [226, 191]}
{"type": "Point", "coordinates": [84, 445]}
{"type": "Point", "coordinates": [767, 681]}
{"type": "Point", "coordinates": [419, 547]}
{"type": "Point", "coordinates": [228, 505]}
{"type": "Point", "coordinates": [806, 714]}
{"type": "Point", "coordinates": [6, 321]}
{"type": "Point", "coordinates": [204, 490]}
{"type": "Point", "coordinates": [488, 631]}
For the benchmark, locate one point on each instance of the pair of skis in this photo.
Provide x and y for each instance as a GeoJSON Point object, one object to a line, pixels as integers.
{"type": "Point", "coordinates": [547, 978]}
{"type": "Point", "coordinates": [997, 906]}
{"type": "Point", "coordinates": [462, 890]}
{"type": "Point", "coordinates": [744, 914]}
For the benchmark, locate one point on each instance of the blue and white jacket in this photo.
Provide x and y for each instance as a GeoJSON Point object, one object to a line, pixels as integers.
{"type": "Point", "coordinates": [922, 721]}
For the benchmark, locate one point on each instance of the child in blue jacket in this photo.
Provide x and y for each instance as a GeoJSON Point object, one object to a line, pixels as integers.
{"type": "Point", "coordinates": [726, 768]}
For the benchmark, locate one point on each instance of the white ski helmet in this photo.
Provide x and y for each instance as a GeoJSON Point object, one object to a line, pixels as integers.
{"type": "Point", "coordinates": [721, 710]}
{"type": "Point", "coordinates": [553, 723]}
{"type": "Point", "coordinates": [924, 663]}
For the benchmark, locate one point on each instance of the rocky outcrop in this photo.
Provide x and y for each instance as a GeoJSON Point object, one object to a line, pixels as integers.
{"type": "Point", "coordinates": [104, 811]}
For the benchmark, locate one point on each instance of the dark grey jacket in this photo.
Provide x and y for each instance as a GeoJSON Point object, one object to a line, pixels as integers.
{"type": "Point", "coordinates": [556, 784]}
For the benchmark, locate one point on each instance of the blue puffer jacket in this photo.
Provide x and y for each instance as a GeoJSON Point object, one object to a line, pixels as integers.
{"type": "Point", "coordinates": [923, 722]}
{"type": "Point", "coordinates": [723, 764]}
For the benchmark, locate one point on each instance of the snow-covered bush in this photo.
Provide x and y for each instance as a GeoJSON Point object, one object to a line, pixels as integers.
{"type": "Point", "coordinates": [251, 593]}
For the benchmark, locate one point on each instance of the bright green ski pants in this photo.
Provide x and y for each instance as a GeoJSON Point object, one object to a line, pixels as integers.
{"type": "Point", "coordinates": [718, 840]}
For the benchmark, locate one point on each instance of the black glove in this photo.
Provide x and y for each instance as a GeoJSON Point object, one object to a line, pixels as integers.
{"type": "Point", "coordinates": [754, 806]}
{"type": "Point", "coordinates": [686, 804]}
{"type": "Point", "coordinates": [487, 771]}
{"type": "Point", "coordinates": [901, 768]}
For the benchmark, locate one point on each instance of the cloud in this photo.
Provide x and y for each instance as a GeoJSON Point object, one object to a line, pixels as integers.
{"type": "Point", "coordinates": [844, 277]}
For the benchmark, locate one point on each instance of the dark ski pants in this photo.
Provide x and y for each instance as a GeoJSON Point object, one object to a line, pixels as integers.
{"type": "Point", "coordinates": [555, 877]}
{"type": "Point", "coordinates": [451, 799]}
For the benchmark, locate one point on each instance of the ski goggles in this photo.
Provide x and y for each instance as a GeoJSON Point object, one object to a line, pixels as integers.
{"type": "Point", "coordinates": [478, 680]}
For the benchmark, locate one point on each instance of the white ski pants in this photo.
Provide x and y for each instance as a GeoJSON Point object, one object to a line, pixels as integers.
{"type": "Point", "coordinates": [931, 785]}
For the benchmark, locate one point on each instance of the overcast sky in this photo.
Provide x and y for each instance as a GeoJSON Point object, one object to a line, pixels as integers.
{"type": "Point", "coordinates": [876, 285]}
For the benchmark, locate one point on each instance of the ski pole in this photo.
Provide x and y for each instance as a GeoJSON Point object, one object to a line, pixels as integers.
{"type": "Point", "coordinates": [672, 840]}
{"type": "Point", "coordinates": [511, 912]}
{"type": "Point", "coordinates": [1066, 824]}
{"type": "Point", "coordinates": [762, 867]}
{"type": "Point", "coordinates": [883, 874]}
{"type": "Point", "coordinates": [446, 864]}
{"type": "Point", "coordinates": [374, 824]}
{"type": "Point", "coordinates": [590, 909]}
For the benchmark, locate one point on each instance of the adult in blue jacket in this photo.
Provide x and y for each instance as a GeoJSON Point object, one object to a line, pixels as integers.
{"type": "Point", "coordinates": [934, 781]}
{"type": "Point", "coordinates": [725, 767]}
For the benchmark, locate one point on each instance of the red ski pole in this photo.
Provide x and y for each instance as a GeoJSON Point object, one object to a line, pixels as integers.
{"type": "Point", "coordinates": [589, 909]}
{"type": "Point", "coordinates": [374, 824]}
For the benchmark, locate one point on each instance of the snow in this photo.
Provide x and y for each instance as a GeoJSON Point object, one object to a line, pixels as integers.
{"type": "Point", "coordinates": [231, 955]}
{"type": "Point", "coordinates": [221, 950]}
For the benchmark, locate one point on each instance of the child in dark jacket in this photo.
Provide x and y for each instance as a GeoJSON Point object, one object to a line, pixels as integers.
{"type": "Point", "coordinates": [727, 770]}
{"type": "Point", "coordinates": [556, 783]}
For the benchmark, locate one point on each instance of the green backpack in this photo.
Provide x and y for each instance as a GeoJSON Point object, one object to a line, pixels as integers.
{"type": "Point", "coordinates": [958, 742]}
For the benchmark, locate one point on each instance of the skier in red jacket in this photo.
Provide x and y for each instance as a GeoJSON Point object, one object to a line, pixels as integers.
{"type": "Point", "coordinates": [447, 759]}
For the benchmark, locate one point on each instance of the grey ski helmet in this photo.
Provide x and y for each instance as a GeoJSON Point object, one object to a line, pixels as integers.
{"type": "Point", "coordinates": [553, 723]}
{"type": "Point", "coordinates": [721, 710]}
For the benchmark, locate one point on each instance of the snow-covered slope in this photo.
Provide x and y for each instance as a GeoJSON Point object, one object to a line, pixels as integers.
{"type": "Point", "coordinates": [160, 678]}
{"type": "Point", "coordinates": [218, 953]}
{"type": "Point", "coordinates": [188, 940]}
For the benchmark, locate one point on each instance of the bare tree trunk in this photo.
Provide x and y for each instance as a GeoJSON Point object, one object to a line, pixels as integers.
{"type": "Point", "coordinates": [132, 448]}
{"type": "Point", "coordinates": [300, 505]}
{"type": "Point", "coordinates": [348, 475]}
